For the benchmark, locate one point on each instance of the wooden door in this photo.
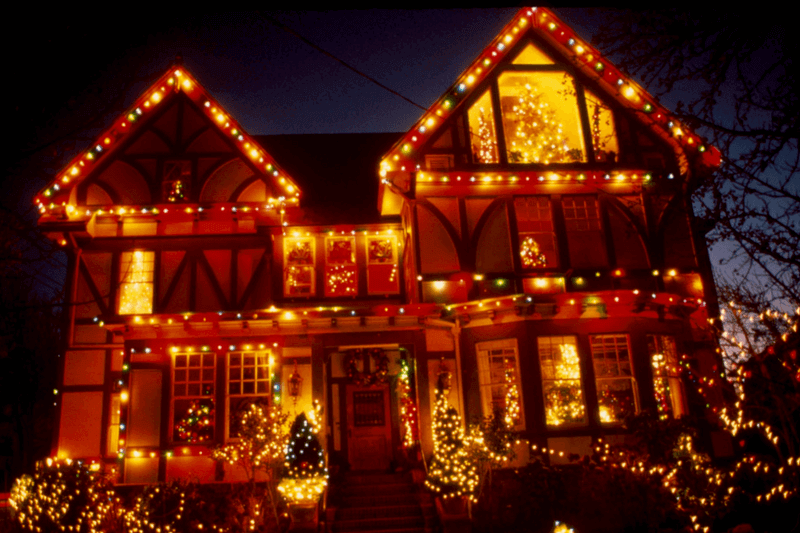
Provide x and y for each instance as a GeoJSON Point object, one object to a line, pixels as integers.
{"type": "Point", "coordinates": [369, 436]}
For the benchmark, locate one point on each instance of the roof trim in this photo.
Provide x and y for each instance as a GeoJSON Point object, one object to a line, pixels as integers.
{"type": "Point", "coordinates": [55, 197]}
{"type": "Point", "coordinates": [403, 156]}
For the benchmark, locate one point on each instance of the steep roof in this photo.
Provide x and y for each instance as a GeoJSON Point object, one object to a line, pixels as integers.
{"type": "Point", "coordinates": [545, 25]}
{"type": "Point", "coordinates": [54, 199]}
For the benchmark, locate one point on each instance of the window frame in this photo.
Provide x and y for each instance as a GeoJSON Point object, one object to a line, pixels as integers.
{"type": "Point", "coordinates": [395, 262]}
{"type": "Point", "coordinates": [125, 282]}
{"type": "Point", "coordinates": [523, 233]}
{"type": "Point", "coordinates": [485, 384]}
{"type": "Point", "coordinates": [242, 396]}
{"type": "Point", "coordinates": [212, 396]}
{"type": "Point", "coordinates": [618, 377]}
{"type": "Point", "coordinates": [310, 267]}
{"type": "Point", "coordinates": [573, 341]}
{"type": "Point", "coordinates": [351, 266]}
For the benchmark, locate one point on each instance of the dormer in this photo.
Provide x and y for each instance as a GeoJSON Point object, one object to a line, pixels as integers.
{"type": "Point", "coordinates": [540, 100]}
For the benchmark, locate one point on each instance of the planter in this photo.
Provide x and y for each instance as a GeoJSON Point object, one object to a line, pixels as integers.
{"type": "Point", "coordinates": [304, 516]}
{"type": "Point", "coordinates": [454, 514]}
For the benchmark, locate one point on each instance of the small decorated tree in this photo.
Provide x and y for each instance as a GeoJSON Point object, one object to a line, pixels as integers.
{"type": "Point", "coordinates": [262, 437]}
{"type": "Point", "coordinates": [452, 472]}
{"type": "Point", "coordinates": [305, 475]}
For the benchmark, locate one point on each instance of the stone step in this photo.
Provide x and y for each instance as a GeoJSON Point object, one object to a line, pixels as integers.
{"type": "Point", "coordinates": [383, 489]}
{"type": "Point", "coordinates": [380, 524]}
{"type": "Point", "coordinates": [363, 513]}
{"type": "Point", "coordinates": [386, 500]}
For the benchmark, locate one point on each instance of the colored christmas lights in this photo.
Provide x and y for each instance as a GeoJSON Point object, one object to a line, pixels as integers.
{"type": "Point", "coordinates": [305, 475]}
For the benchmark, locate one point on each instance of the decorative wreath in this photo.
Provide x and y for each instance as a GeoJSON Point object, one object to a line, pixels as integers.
{"type": "Point", "coordinates": [380, 364]}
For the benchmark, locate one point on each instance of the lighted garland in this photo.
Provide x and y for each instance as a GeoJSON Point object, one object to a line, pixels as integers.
{"type": "Point", "coordinates": [530, 254]}
{"type": "Point", "coordinates": [408, 407]}
{"type": "Point", "coordinates": [487, 148]}
{"type": "Point", "coordinates": [381, 365]}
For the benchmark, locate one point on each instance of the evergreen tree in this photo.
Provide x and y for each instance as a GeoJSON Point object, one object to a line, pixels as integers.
{"type": "Point", "coordinates": [538, 137]}
{"type": "Point", "coordinates": [304, 455]}
{"type": "Point", "coordinates": [452, 472]}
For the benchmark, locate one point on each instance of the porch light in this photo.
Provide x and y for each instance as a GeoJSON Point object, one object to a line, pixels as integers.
{"type": "Point", "coordinates": [295, 382]}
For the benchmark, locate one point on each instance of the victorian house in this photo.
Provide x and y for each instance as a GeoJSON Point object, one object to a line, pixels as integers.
{"type": "Point", "coordinates": [530, 237]}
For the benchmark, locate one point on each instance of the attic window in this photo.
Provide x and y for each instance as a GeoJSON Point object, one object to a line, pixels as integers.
{"type": "Point", "coordinates": [299, 266]}
{"type": "Point", "coordinates": [603, 133]}
{"type": "Point", "coordinates": [541, 121]}
{"type": "Point", "coordinates": [482, 133]}
{"type": "Point", "coordinates": [177, 176]}
{"type": "Point", "coordinates": [531, 55]}
{"type": "Point", "coordinates": [341, 274]}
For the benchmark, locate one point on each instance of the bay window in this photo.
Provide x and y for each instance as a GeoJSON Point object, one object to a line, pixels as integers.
{"type": "Point", "coordinates": [500, 384]}
{"type": "Point", "coordinates": [613, 372]}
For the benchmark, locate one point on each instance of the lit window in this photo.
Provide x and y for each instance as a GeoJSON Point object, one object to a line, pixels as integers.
{"type": "Point", "coordinates": [482, 131]}
{"type": "Point", "coordinates": [112, 435]}
{"type": "Point", "coordinates": [249, 380]}
{"type": "Point", "coordinates": [603, 133]}
{"type": "Point", "coordinates": [541, 122]}
{"type": "Point", "coordinates": [561, 381]}
{"type": "Point", "coordinates": [341, 274]}
{"type": "Point", "coordinates": [531, 55]}
{"type": "Point", "coordinates": [584, 234]}
{"type": "Point", "coordinates": [193, 381]}
{"type": "Point", "coordinates": [537, 244]}
{"type": "Point", "coordinates": [177, 177]}
{"type": "Point", "coordinates": [298, 266]}
{"type": "Point", "coordinates": [498, 373]}
{"type": "Point", "coordinates": [136, 283]}
{"type": "Point", "coordinates": [382, 272]}
{"type": "Point", "coordinates": [613, 372]}
{"type": "Point", "coordinates": [670, 398]}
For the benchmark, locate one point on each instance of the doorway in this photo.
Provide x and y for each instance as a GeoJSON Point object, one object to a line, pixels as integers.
{"type": "Point", "coordinates": [369, 427]}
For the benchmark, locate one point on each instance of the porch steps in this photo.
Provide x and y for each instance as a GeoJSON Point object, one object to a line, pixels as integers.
{"type": "Point", "coordinates": [377, 502]}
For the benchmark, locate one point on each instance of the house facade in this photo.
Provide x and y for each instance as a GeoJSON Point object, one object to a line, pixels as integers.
{"type": "Point", "coordinates": [532, 241]}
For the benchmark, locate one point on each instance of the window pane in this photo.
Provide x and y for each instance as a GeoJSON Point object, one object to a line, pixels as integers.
{"type": "Point", "coordinates": [561, 381]}
{"type": "Point", "coordinates": [341, 274]}
{"type": "Point", "coordinates": [482, 130]}
{"type": "Point", "coordinates": [536, 237]}
{"type": "Point", "coordinates": [604, 136]}
{"type": "Point", "coordinates": [541, 121]}
{"type": "Point", "coordinates": [136, 283]}
{"type": "Point", "coordinates": [531, 55]}
{"type": "Point", "coordinates": [667, 383]}
{"type": "Point", "coordinates": [299, 266]}
{"type": "Point", "coordinates": [193, 420]}
{"type": "Point", "coordinates": [382, 265]}
{"type": "Point", "coordinates": [616, 396]}
{"type": "Point", "coordinates": [498, 374]}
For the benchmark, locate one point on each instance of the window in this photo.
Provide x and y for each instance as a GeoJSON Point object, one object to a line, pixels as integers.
{"type": "Point", "coordinates": [112, 435]}
{"type": "Point", "coordinates": [341, 274]}
{"type": "Point", "coordinates": [177, 176]}
{"type": "Point", "coordinates": [193, 381]}
{"type": "Point", "coordinates": [136, 283]}
{"type": "Point", "coordinates": [537, 242]}
{"type": "Point", "coordinates": [584, 234]}
{"type": "Point", "coordinates": [561, 381]}
{"type": "Point", "coordinates": [249, 380]}
{"type": "Point", "coordinates": [541, 121]}
{"type": "Point", "coordinates": [670, 398]}
{"type": "Point", "coordinates": [382, 272]}
{"type": "Point", "coordinates": [603, 133]}
{"type": "Point", "coordinates": [482, 131]}
{"type": "Point", "coordinates": [498, 373]}
{"type": "Point", "coordinates": [616, 396]}
{"type": "Point", "coordinates": [298, 266]}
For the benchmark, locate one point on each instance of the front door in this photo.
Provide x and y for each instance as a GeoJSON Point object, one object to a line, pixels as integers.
{"type": "Point", "coordinates": [369, 436]}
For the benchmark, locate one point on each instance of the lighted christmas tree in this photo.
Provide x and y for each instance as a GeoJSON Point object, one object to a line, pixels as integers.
{"type": "Point", "coordinates": [452, 472]}
{"type": "Point", "coordinates": [487, 144]}
{"type": "Point", "coordinates": [197, 423]}
{"type": "Point", "coordinates": [537, 136]}
{"type": "Point", "coordinates": [305, 474]}
{"type": "Point", "coordinates": [563, 397]}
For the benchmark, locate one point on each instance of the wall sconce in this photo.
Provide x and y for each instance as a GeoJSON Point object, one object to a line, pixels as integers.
{"type": "Point", "coordinates": [444, 378]}
{"type": "Point", "coordinates": [295, 382]}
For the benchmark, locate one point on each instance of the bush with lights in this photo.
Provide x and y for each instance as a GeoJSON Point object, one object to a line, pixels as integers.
{"type": "Point", "coordinates": [305, 475]}
{"type": "Point", "coordinates": [260, 430]}
{"type": "Point", "coordinates": [64, 495]}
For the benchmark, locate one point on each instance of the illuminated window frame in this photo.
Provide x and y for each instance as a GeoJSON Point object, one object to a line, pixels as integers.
{"type": "Point", "coordinates": [618, 347]}
{"type": "Point", "coordinates": [341, 273]}
{"type": "Point", "coordinates": [136, 270]}
{"type": "Point", "coordinates": [667, 382]}
{"type": "Point", "coordinates": [534, 215]}
{"type": "Point", "coordinates": [375, 265]}
{"type": "Point", "coordinates": [113, 429]}
{"type": "Point", "coordinates": [237, 379]}
{"type": "Point", "coordinates": [549, 355]}
{"type": "Point", "coordinates": [299, 271]}
{"type": "Point", "coordinates": [194, 379]}
{"type": "Point", "coordinates": [495, 392]}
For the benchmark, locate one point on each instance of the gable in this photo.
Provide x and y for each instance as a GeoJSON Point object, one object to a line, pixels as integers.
{"type": "Point", "coordinates": [534, 58]}
{"type": "Point", "coordinates": [176, 146]}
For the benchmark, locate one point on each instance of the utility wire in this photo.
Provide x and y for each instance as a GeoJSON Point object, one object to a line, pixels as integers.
{"type": "Point", "coordinates": [351, 67]}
